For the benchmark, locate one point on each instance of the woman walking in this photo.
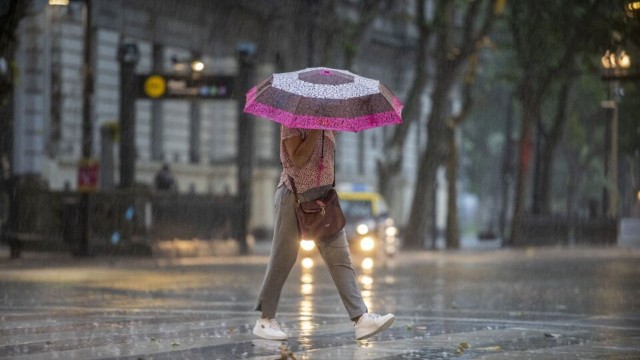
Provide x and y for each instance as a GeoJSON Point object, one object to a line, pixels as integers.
{"type": "Point", "coordinates": [307, 157]}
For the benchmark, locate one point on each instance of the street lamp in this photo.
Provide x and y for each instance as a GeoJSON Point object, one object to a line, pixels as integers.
{"type": "Point", "coordinates": [195, 65]}
{"type": "Point", "coordinates": [617, 60]}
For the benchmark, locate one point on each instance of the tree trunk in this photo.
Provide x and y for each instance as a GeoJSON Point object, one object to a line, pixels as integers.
{"type": "Point", "coordinates": [385, 177]}
{"type": "Point", "coordinates": [530, 114]}
{"type": "Point", "coordinates": [572, 185]}
{"type": "Point", "coordinates": [453, 233]}
{"type": "Point", "coordinates": [391, 164]}
{"type": "Point", "coordinates": [448, 62]}
{"type": "Point", "coordinates": [420, 223]}
{"type": "Point", "coordinates": [506, 176]}
{"type": "Point", "coordinates": [547, 156]}
{"type": "Point", "coordinates": [537, 167]}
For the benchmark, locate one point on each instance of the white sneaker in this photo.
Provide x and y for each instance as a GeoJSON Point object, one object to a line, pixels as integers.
{"type": "Point", "coordinates": [269, 329]}
{"type": "Point", "coordinates": [371, 324]}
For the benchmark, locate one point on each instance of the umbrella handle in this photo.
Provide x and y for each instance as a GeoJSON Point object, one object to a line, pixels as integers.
{"type": "Point", "coordinates": [321, 165]}
{"type": "Point", "coordinates": [322, 149]}
{"type": "Point", "coordinates": [320, 170]}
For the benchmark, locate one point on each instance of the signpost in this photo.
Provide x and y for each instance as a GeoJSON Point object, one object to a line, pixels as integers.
{"type": "Point", "coordinates": [159, 86]}
{"type": "Point", "coordinates": [170, 86]}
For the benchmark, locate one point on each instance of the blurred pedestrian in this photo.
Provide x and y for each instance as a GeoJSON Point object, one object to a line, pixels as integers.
{"type": "Point", "coordinates": [307, 156]}
{"type": "Point", "coordinates": [164, 180]}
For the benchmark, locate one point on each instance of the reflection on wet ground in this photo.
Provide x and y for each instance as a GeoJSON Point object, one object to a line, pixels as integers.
{"type": "Point", "coordinates": [507, 304]}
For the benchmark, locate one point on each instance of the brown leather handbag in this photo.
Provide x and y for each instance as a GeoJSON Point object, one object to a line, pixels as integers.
{"type": "Point", "coordinates": [321, 218]}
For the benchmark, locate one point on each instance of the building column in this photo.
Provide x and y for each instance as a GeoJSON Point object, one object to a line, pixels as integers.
{"type": "Point", "coordinates": [195, 136]}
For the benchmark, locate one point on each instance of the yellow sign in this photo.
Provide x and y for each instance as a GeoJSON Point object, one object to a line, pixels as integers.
{"type": "Point", "coordinates": [155, 86]}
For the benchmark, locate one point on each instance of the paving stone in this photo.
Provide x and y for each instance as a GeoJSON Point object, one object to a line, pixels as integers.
{"type": "Point", "coordinates": [548, 303]}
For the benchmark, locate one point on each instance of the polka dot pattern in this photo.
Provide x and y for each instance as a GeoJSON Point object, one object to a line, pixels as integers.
{"type": "Point", "coordinates": [360, 86]}
{"type": "Point", "coordinates": [324, 98]}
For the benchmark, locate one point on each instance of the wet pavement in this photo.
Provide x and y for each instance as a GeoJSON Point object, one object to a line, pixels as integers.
{"type": "Point", "coordinates": [548, 303]}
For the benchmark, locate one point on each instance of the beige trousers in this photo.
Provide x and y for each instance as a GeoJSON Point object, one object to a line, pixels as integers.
{"type": "Point", "coordinates": [284, 251]}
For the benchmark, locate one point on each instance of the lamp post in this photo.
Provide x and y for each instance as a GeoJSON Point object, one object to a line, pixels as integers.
{"type": "Point", "coordinates": [246, 53]}
{"type": "Point", "coordinates": [615, 64]}
{"type": "Point", "coordinates": [128, 57]}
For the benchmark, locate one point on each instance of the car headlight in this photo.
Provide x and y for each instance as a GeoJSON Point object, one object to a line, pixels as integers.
{"type": "Point", "coordinates": [362, 229]}
{"type": "Point", "coordinates": [391, 231]}
{"type": "Point", "coordinates": [307, 263]}
{"type": "Point", "coordinates": [307, 245]}
{"type": "Point", "coordinates": [367, 243]}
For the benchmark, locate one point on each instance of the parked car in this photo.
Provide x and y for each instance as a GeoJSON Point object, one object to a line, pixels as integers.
{"type": "Point", "coordinates": [370, 230]}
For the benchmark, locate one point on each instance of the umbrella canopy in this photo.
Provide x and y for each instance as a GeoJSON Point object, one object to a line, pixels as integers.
{"type": "Point", "coordinates": [326, 99]}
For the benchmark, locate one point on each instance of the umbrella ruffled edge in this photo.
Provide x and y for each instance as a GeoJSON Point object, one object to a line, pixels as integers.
{"type": "Point", "coordinates": [355, 124]}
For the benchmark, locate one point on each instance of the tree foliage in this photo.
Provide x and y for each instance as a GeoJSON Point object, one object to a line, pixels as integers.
{"type": "Point", "coordinates": [547, 43]}
{"type": "Point", "coordinates": [545, 48]}
{"type": "Point", "coordinates": [11, 12]}
{"type": "Point", "coordinates": [459, 31]}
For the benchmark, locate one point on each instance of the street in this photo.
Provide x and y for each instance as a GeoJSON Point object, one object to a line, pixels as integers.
{"type": "Point", "coordinates": [534, 303]}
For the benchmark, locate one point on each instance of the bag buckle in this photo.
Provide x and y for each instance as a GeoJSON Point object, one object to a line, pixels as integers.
{"type": "Point", "coordinates": [321, 204]}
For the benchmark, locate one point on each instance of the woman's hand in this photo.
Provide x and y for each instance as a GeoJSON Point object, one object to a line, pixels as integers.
{"type": "Point", "coordinates": [299, 149]}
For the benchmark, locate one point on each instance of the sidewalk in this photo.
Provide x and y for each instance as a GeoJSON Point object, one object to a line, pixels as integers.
{"type": "Point", "coordinates": [629, 232]}
{"type": "Point", "coordinates": [534, 303]}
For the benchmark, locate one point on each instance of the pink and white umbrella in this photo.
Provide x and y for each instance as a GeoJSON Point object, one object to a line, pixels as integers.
{"type": "Point", "coordinates": [326, 99]}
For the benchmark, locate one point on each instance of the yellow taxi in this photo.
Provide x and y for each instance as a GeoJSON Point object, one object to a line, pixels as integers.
{"type": "Point", "coordinates": [370, 230]}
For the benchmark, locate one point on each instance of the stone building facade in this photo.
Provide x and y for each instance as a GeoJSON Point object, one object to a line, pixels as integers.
{"type": "Point", "coordinates": [197, 138]}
